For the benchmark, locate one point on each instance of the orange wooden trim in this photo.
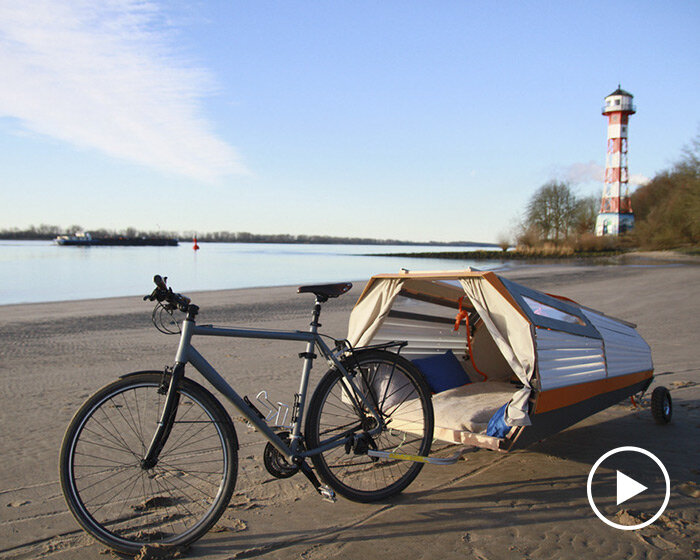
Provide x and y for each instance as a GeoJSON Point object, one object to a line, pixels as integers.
{"type": "Point", "coordinates": [369, 284]}
{"type": "Point", "coordinates": [427, 274]}
{"type": "Point", "coordinates": [563, 298]}
{"type": "Point", "coordinates": [566, 396]}
{"type": "Point", "coordinates": [495, 281]}
{"type": "Point", "coordinates": [487, 275]}
{"type": "Point", "coordinates": [429, 298]}
{"type": "Point", "coordinates": [443, 274]}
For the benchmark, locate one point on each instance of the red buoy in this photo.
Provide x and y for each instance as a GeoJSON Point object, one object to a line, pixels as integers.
{"type": "Point", "coordinates": [195, 247]}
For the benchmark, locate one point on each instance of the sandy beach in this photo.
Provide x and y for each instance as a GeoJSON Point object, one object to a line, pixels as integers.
{"type": "Point", "coordinates": [525, 504]}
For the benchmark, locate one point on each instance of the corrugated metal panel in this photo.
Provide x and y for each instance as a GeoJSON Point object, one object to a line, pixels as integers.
{"type": "Point", "coordinates": [625, 351]}
{"type": "Point", "coordinates": [424, 338]}
{"type": "Point", "coordinates": [567, 359]}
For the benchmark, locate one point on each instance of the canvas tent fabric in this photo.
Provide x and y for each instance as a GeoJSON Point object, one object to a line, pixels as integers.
{"type": "Point", "coordinates": [371, 310]}
{"type": "Point", "coordinates": [509, 329]}
{"type": "Point", "coordinates": [558, 351]}
{"type": "Point", "coordinates": [511, 333]}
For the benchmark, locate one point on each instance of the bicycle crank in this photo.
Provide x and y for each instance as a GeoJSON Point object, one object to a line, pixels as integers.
{"type": "Point", "coordinates": [276, 463]}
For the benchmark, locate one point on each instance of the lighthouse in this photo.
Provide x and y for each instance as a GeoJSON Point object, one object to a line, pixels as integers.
{"type": "Point", "coordinates": [616, 215]}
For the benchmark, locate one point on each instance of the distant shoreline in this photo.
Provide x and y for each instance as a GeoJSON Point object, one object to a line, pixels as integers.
{"type": "Point", "coordinates": [234, 237]}
{"type": "Point", "coordinates": [498, 255]}
{"type": "Point", "coordinates": [612, 257]}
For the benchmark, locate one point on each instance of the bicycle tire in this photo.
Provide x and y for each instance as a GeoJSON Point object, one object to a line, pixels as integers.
{"type": "Point", "coordinates": [404, 400]}
{"type": "Point", "coordinates": [177, 501]}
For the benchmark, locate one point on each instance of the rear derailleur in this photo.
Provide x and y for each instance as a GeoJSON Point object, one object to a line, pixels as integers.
{"type": "Point", "coordinates": [360, 444]}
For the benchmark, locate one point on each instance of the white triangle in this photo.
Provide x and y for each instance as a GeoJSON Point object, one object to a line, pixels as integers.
{"type": "Point", "coordinates": [627, 488]}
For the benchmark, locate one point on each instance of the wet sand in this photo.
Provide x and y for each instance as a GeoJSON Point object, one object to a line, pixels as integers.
{"type": "Point", "coordinates": [528, 504]}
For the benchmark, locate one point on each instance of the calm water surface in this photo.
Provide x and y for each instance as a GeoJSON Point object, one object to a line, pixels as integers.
{"type": "Point", "coordinates": [35, 271]}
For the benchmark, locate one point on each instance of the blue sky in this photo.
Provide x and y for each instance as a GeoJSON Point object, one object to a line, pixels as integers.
{"type": "Point", "coordinates": [409, 120]}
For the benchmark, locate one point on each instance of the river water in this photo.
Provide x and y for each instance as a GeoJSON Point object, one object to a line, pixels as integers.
{"type": "Point", "coordinates": [37, 271]}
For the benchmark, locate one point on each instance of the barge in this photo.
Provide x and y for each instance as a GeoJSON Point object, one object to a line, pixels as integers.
{"type": "Point", "coordinates": [87, 240]}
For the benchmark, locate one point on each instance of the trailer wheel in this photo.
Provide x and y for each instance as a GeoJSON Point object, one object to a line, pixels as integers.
{"type": "Point", "coordinates": [661, 405]}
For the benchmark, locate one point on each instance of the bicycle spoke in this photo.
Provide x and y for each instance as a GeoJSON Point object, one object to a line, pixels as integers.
{"type": "Point", "coordinates": [401, 403]}
{"type": "Point", "coordinates": [177, 498]}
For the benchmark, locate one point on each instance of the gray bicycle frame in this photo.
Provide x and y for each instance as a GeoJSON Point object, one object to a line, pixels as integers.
{"type": "Point", "coordinates": [186, 353]}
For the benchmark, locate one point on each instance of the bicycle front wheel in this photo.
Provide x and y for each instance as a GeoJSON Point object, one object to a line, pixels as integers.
{"type": "Point", "coordinates": [124, 505]}
{"type": "Point", "coordinates": [402, 398]}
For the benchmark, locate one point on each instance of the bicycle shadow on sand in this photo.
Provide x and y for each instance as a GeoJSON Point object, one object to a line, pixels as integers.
{"type": "Point", "coordinates": [502, 492]}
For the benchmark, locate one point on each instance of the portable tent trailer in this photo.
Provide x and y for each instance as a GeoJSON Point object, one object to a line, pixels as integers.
{"type": "Point", "coordinates": [544, 361]}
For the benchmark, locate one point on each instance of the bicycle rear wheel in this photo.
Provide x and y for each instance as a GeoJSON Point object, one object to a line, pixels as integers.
{"type": "Point", "coordinates": [174, 503]}
{"type": "Point", "coordinates": [401, 396]}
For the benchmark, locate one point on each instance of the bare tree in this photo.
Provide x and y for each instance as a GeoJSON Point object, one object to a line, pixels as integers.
{"type": "Point", "coordinates": [586, 214]}
{"type": "Point", "coordinates": [552, 211]}
{"type": "Point", "coordinates": [504, 241]}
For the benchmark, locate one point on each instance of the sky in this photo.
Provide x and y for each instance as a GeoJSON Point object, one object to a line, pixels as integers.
{"type": "Point", "coordinates": [407, 120]}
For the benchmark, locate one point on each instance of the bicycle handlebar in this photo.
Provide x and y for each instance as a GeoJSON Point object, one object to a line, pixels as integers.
{"type": "Point", "coordinates": [163, 293]}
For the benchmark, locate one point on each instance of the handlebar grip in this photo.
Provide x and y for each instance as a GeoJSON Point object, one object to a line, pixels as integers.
{"type": "Point", "coordinates": [163, 293]}
{"type": "Point", "coordinates": [160, 282]}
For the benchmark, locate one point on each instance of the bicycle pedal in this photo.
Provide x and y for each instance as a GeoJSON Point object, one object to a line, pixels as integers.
{"type": "Point", "coordinates": [327, 494]}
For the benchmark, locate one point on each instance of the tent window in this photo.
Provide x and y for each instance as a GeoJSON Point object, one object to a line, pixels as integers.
{"type": "Point", "coordinates": [543, 310]}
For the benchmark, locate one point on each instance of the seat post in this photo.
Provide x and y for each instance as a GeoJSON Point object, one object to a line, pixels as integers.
{"type": "Point", "coordinates": [316, 314]}
{"type": "Point", "coordinates": [300, 397]}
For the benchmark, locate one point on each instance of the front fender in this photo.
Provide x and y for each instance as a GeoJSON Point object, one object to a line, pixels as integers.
{"type": "Point", "coordinates": [132, 373]}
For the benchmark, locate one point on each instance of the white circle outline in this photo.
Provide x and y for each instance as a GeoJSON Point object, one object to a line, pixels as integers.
{"type": "Point", "coordinates": [635, 450]}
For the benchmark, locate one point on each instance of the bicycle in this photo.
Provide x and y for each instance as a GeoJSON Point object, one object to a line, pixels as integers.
{"type": "Point", "coordinates": [152, 458]}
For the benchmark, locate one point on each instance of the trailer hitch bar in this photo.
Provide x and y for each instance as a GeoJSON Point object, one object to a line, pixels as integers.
{"type": "Point", "coordinates": [419, 458]}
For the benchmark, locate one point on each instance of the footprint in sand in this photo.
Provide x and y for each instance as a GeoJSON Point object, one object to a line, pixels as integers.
{"type": "Point", "coordinates": [690, 489]}
{"type": "Point", "coordinates": [681, 384]}
{"type": "Point", "coordinates": [233, 524]}
{"type": "Point", "coordinates": [245, 503]}
{"type": "Point", "coordinates": [155, 552]}
{"type": "Point", "coordinates": [659, 542]}
{"type": "Point", "coordinates": [629, 517]}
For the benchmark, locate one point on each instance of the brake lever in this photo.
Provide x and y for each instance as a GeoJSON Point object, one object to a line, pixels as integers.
{"type": "Point", "coordinates": [157, 295]}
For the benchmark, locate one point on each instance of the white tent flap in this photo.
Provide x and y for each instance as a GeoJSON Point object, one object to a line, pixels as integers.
{"type": "Point", "coordinates": [511, 333]}
{"type": "Point", "coordinates": [370, 312]}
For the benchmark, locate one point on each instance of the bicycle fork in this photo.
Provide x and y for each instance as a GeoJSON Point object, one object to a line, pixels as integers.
{"type": "Point", "coordinates": [172, 399]}
{"type": "Point", "coordinates": [166, 421]}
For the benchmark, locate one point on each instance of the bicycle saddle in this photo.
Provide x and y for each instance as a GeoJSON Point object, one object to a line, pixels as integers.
{"type": "Point", "coordinates": [325, 291]}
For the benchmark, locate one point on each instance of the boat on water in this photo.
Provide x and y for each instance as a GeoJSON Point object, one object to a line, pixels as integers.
{"type": "Point", "coordinates": [87, 240]}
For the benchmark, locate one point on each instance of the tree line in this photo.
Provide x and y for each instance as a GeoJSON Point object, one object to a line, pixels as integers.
{"type": "Point", "coordinates": [667, 214]}
{"type": "Point", "coordinates": [47, 232]}
{"type": "Point", "coordinates": [667, 209]}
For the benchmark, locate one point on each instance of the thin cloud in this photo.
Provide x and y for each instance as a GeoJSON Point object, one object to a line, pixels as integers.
{"type": "Point", "coordinates": [581, 172]}
{"type": "Point", "coordinates": [107, 75]}
{"type": "Point", "coordinates": [591, 171]}
{"type": "Point", "coordinates": [637, 179]}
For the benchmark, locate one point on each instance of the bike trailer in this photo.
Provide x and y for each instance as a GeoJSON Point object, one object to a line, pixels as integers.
{"type": "Point", "coordinates": [508, 365]}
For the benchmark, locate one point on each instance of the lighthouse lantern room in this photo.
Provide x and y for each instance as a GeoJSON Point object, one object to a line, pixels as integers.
{"type": "Point", "coordinates": [616, 215]}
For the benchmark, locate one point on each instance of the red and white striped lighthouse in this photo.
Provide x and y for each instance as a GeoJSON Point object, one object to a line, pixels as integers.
{"type": "Point", "coordinates": [616, 215]}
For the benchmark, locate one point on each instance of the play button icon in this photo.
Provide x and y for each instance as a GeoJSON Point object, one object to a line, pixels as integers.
{"type": "Point", "coordinates": [627, 488]}
{"type": "Point", "coordinates": [640, 483]}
